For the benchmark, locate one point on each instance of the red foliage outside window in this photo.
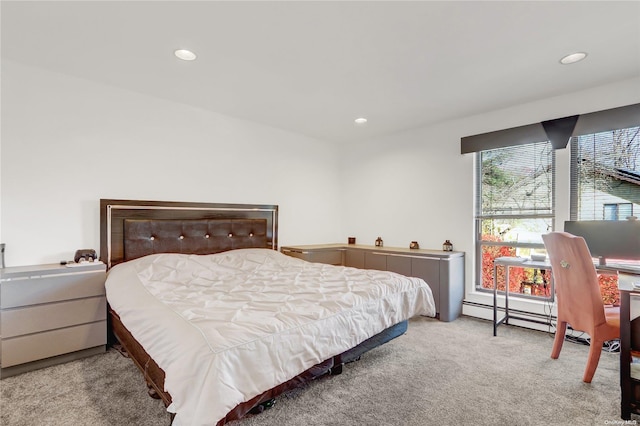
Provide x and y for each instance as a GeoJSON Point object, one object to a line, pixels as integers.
{"type": "Point", "coordinates": [608, 282]}
{"type": "Point", "coordinates": [609, 289]}
{"type": "Point", "coordinates": [489, 254]}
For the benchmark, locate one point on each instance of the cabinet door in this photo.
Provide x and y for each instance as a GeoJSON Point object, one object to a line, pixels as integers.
{"type": "Point", "coordinates": [331, 257]}
{"type": "Point", "coordinates": [374, 260]}
{"type": "Point", "coordinates": [429, 270]}
{"type": "Point", "coordinates": [399, 264]}
{"type": "Point", "coordinates": [354, 258]}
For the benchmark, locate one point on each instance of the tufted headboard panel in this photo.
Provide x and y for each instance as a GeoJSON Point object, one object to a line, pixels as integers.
{"type": "Point", "coordinates": [197, 236]}
{"type": "Point", "coordinates": [132, 228]}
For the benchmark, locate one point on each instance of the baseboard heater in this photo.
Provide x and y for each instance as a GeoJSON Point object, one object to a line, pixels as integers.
{"type": "Point", "coordinates": [543, 319]}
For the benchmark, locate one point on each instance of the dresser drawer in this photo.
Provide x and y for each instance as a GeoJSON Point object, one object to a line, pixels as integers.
{"type": "Point", "coordinates": [51, 288]}
{"type": "Point", "coordinates": [19, 350]}
{"type": "Point", "coordinates": [34, 319]}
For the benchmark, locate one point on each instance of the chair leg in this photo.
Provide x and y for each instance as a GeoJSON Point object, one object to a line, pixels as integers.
{"type": "Point", "coordinates": [561, 329]}
{"type": "Point", "coordinates": [592, 363]}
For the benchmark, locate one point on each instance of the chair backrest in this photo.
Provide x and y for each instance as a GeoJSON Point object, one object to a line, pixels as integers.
{"type": "Point", "coordinates": [576, 281]}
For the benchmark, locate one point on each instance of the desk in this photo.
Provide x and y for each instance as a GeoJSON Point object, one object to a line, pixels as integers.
{"type": "Point", "coordinates": [628, 385]}
{"type": "Point", "coordinates": [509, 262]}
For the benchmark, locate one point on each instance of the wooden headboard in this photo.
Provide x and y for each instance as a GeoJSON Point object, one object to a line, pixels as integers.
{"type": "Point", "coordinates": [133, 228]}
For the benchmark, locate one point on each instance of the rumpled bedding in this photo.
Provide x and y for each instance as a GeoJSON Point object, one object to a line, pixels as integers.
{"type": "Point", "coordinates": [227, 327]}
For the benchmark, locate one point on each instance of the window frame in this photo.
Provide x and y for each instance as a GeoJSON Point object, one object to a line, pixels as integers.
{"type": "Point", "coordinates": [479, 218]}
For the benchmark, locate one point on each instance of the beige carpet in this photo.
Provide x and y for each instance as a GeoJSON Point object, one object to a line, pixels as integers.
{"type": "Point", "coordinates": [437, 374]}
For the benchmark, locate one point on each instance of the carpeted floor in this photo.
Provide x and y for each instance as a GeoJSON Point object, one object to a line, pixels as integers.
{"type": "Point", "coordinates": [438, 373]}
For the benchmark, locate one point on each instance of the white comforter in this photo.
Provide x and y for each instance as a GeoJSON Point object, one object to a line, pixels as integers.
{"type": "Point", "coordinates": [229, 326]}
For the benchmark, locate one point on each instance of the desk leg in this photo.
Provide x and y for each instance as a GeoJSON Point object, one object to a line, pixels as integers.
{"type": "Point", "coordinates": [495, 300]}
{"type": "Point", "coordinates": [506, 295]}
{"type": "Point", "coordinates": [626, 387]}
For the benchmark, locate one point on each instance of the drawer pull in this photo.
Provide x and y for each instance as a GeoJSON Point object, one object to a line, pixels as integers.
{"type": "Point", "coordinates": [295, 251]}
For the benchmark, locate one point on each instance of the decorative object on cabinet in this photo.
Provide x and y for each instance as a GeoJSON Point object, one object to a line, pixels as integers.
{"type": "Point", "coordinates": [2, 245]}
{"type": "Point", "coordinates": [414, 245]}
{"type": "Point", "coordinates": [444, 272]}
{"type": "Point", "coordinates": [447, 246]}
{"type": "Point", "coordinates": [85, 255]}
{"type": "Point", "coordinates": [50, 314]}
{"type": "Point", "coordinates": [379, 242]}
{"type": "Point", "coordinates": [352, 240]}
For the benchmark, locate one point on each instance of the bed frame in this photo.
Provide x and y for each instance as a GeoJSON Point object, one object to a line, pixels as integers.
{"type": "Point", "coordinates": [177, 219]}
{"type": "Point", "coordinates": [130, 229]}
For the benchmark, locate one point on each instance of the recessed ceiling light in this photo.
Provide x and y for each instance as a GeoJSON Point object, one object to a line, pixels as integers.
{"type": "Point", "coordinates": [360, 120]}
{"type": "Point", "coordinates": [573, 58]}
{"type": "Point", "coordinates": [185, 55]}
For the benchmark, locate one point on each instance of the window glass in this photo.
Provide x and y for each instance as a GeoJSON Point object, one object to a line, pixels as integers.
{"type": "Point", "coordinates": [625, 210]}
{"type": "Point", "coordinates": [605, 175]}
{"type": "Point", "coordinates": [514, 207]}
{"type": "Point", "coordinates": [610, 212]}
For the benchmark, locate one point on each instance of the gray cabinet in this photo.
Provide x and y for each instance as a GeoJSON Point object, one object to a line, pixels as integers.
{"type": "Point", "coordinates": [50, 314]}
{"type": "Point", "coordinates": [442, 271]}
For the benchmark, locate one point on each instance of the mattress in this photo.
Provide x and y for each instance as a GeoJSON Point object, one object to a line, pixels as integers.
{"type": "Point", "coordinates": [229, 326]}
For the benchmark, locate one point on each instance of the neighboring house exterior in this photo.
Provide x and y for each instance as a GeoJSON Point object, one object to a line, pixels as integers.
{"type": "Point", "coordinates": [616, 197]}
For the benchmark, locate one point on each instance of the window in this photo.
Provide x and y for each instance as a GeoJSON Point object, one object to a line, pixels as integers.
{"type": "Point", "coordinates": [619, 211]}
{"type": "Point", "coordinates": [514, 207]}
{"type": "Point", "coordinates": [605, 184]}
{"type": "Point", "coordinates": [515, 178]}
{"type": "Point", "coordinates": [605, 175]}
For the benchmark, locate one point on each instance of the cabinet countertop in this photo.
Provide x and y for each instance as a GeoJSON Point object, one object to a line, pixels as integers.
{"type": "Point", "coordinates": [386, 250]}
{"type": "Point", "coordinates": [48, 269]}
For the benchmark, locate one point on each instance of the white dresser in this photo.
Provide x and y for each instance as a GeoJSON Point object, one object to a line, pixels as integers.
{"type": "Point", "coordinates": [50, 314]}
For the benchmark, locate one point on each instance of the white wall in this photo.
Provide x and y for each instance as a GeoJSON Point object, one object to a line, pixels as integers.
{"type": "Point", "coordinates": [417, 186]}
{"type": "Point", "coordinates": [67, 142]}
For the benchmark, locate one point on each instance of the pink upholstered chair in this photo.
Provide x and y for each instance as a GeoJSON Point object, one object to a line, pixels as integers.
{"type": "Point", "coordinates": [578, 296]}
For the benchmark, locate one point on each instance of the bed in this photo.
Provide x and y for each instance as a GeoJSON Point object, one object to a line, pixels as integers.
{"type": "Point", "coordinates": [220, 322]}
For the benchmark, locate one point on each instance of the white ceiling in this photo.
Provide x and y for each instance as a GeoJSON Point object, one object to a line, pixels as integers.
{"type": "Point", "coordinates": [313, 67]}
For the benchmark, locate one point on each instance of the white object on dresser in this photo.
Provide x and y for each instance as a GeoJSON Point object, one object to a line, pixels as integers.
{"type": "Point", "coordinates": [50, 314]}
